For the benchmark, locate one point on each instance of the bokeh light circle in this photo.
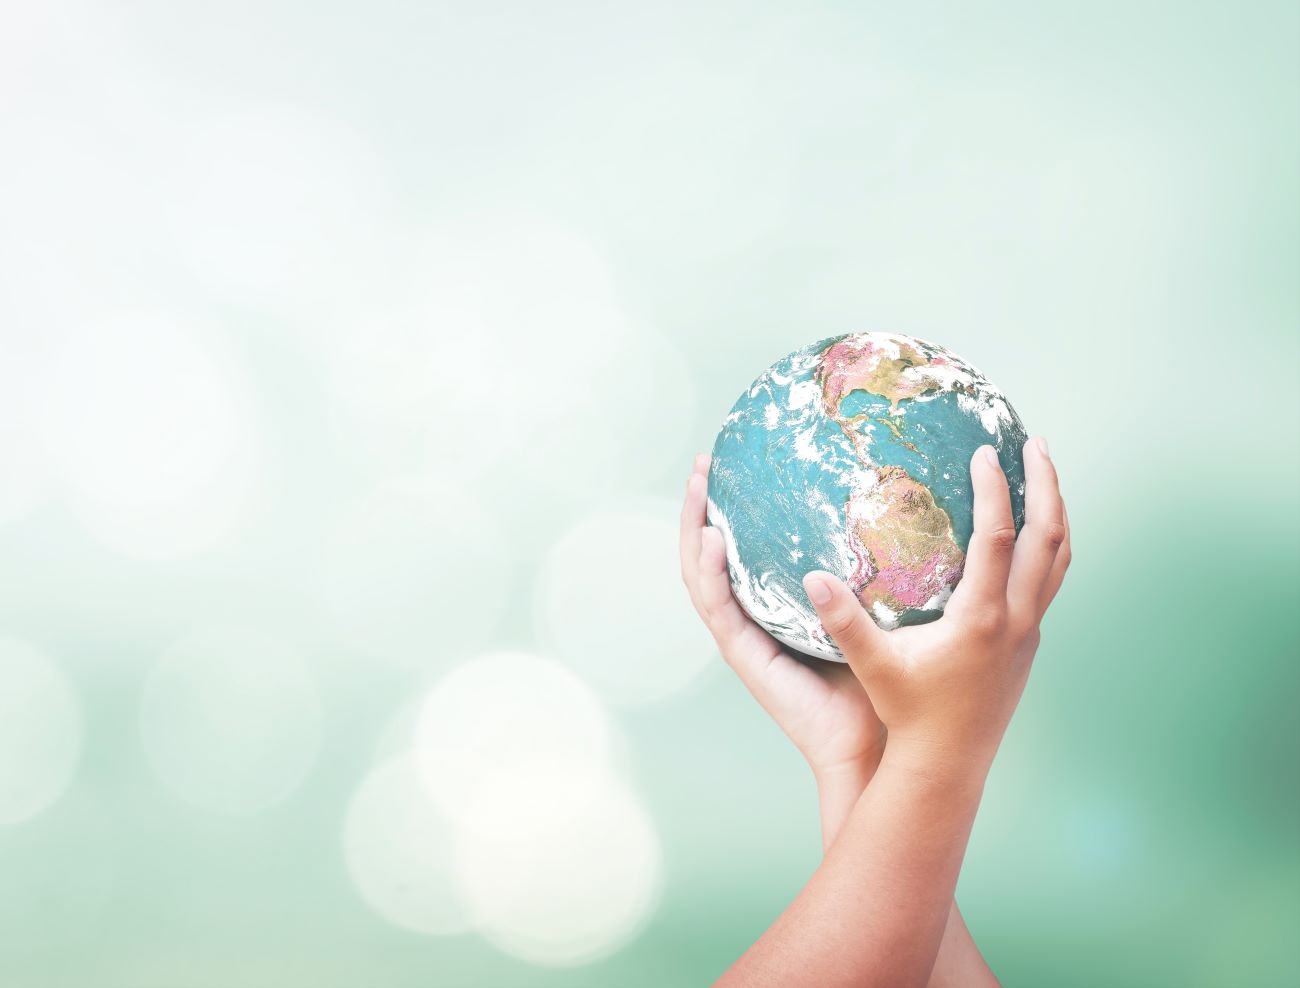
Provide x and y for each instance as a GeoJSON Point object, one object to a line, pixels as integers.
{"type": "Point", "coordinates": [510, 730]}
{"type": "Point", "coordinates": [627, 428]}
{"type": "Point", "coordinates": [505, 341]}
{"type": "Point", "coordinates": [610, 603]}
{"type": "Point", "coordinates": [149, 431]}
{"type": "Point", "coordinates": [231, 719]}
{"type": "Point", "coordinates": [538, 361]}
{"type": "Point", "coordinates": [566, 890]}
{"type": "Point", "coordinates": [398, 850]}
{"type": "Point", "coordinates": [396, 738]}
{"type": "Point", "coordinates": [413, 574]}
{"type": "Point", "coordinates": [40, 732]}
{"type": "Point", "coordinates": [278, 203]}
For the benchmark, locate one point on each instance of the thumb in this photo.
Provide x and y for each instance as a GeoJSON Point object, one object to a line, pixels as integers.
{"type": "Point", "coordinates": [861, 640]}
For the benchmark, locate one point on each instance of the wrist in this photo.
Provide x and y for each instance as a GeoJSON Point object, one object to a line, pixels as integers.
{"type": "Point", "coordinates": [839, 787]}
{"type": "Point", "coordinates": [844, 778]}
{"type": "Point", "coordinates": [952, 763]}
{"type": "Point", "coordinates": [851, 774]}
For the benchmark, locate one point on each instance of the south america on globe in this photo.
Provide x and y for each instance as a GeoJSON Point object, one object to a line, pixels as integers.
{"type": "Point", "coordinates": [852, 456]}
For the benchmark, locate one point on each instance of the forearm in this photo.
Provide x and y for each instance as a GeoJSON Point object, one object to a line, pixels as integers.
{"type": "Point", "coordinates": [876, 910]}
{"type": "Point", "coordinates": [838, 791]}
{"type": "Point", "coordinates": [959, 963]}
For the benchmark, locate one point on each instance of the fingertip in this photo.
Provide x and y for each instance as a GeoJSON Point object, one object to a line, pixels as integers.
{"type": "Point", "coordinates": [820, 587]}
{"type": "Point", "coordinates": [985, 456]}
{"type": "Point", "coordinates": [702, 461]}
{"type": "Point", "coordinates": [1040, 469]}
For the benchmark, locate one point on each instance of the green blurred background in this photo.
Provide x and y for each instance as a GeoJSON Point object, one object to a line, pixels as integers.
{"type": "Point", "coordinates": [344, 346]}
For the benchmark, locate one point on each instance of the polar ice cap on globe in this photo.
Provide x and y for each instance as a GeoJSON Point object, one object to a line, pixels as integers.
{"type": "Point", "coordinates": [852, 455]}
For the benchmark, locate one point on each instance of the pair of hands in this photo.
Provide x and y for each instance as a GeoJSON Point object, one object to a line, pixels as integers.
{"type": "Point", "coordinates": [943, 692]}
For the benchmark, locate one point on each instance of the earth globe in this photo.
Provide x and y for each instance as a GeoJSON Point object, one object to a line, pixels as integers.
{"type": "Point", "coordinates": [852, 455]}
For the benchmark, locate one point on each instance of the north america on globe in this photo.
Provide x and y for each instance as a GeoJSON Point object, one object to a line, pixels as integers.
{"type": "Point", "coordinates": [852, 455]}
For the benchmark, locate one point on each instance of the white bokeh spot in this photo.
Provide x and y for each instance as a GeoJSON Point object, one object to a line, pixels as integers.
{"type": "Point", "coordinates": [149, 432]}
{"type": "Point", "coordinates": [503, 343]}
{"type": "Point", "coordinates": [398, 848]}
{"type": "Point", "coordinates": [511, 730]}
{"type": "Point", "coordinates": [279, 205]}
{"type": "Point", "coordinates": [610, 603]}
{"type": "Point", "coordinates": [564, 891]}
{"type": "Point", "coordinates": [40, 732]}
{"type": "Point", "coordinates": [413, 574]}
{"type": "Point", "coordinates": [523, 312]}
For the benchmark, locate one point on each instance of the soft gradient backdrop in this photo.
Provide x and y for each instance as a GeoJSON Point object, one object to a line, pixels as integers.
{"type": "Point", "coordinates": [345, 347]}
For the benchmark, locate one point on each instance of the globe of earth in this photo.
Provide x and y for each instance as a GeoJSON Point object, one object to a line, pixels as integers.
{"type": "Point", "coordinates": [852, 455]}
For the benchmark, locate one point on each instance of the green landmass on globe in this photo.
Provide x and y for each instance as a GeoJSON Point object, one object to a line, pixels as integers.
{"type": "Point", "coordinates": [852, 456]}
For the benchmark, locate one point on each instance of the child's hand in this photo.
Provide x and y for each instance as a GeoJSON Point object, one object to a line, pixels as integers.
{"type": "Point", "coordinates": [879, 909]}
{"type": "Point", "coordinates": [949, 688]}
{"type": "Point", "coordinates": [820, 705]}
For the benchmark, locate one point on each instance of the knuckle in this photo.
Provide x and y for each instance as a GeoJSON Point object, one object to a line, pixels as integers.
{"type": "Point", "coordinates": [840, 623]}
{"type": "Point", "coordinates": [844, 626]}
{"type": "Point", "coordinates": [1054, 534]}
{"type": "Point", "coordinates": [1003, 539]}
{"type": "Point", "coordinates": [1022, 623]}
{"type": "Point", "coordinates": [1031, 639]}
{"type": "Point", "coordinates": [988, 621]}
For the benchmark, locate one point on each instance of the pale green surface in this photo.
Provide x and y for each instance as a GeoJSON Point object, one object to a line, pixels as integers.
{"type": "Point", "coordinates": [1097, 205]}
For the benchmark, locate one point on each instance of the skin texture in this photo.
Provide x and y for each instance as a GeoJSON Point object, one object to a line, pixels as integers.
{"type": "Point", "coordinates": [900, 739]}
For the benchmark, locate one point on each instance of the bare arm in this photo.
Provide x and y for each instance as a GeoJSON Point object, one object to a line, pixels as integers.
{"type": "Point", "coordinates": [876, 910]}
{"type": "Point", "coordinates": [959, 963]}
{"type": "Point", "coordinates": [821, 706]}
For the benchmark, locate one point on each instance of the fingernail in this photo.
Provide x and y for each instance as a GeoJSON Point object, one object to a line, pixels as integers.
{"type": "Point", "coordinates": [819, 591]}
{"type": "Point", "coordinates": [991, 458]}
{"type": "Point", "coordinates": [1042, 447]}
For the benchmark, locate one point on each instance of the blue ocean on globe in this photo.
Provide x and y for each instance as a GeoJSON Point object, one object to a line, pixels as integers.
{"type": "Point", "coordinates": [852, 455]}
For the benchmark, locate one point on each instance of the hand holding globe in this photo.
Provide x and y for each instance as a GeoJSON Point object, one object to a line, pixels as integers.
{"type": "Point", "coordinates": [787, 454]}
{"type": "Point", "coordinates": [869, 483]}
{"type": "Point", "coordinates": [820, 705]}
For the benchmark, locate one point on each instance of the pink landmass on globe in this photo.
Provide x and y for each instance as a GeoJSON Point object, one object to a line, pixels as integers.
{"type": "Point", "coordinates": [860, 364]}
{"type": "Point", "coordinates": [903, 542]}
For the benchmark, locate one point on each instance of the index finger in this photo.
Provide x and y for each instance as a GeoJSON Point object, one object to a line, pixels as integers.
{"type": "Point", "coordinates": [983, 583]}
